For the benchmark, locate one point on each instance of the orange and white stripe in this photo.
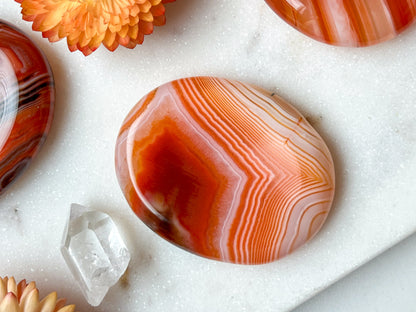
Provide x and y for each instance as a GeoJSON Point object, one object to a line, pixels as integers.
{"type": "Point", "coordinates": [347, 22]}
{"type": "Point", "coordinates": [247, 179]}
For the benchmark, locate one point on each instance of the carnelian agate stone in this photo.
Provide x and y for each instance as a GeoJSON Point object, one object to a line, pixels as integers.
{"type": "Point", "coordinates": [26, 102]}
{"type": "Point", "coordinates": [347, 22]}
{"type": "Point", "coordinates": [224, 170]}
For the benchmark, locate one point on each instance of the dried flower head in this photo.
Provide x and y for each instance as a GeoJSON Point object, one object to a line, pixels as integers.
{"type": "Point", "coordinates": [88, 23]}
{"type": "Point", "coordinates": [24, 297]}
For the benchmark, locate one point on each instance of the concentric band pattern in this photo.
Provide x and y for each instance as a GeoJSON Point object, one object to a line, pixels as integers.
{"type": "Point", "coordinates": [224, 170]}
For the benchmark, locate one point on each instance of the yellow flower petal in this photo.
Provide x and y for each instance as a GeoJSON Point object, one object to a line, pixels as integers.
{"type": "Point", "coordinates": [9, 303]}
{"type": "Point", "coordinates": [24, 297]}
{"type": "Point", "coordinates": [12, 286]}
{"type": "Point", "coordinates": [48, 303]}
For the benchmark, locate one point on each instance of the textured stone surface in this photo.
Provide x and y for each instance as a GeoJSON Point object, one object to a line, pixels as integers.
{"type": "Point", "coordinates": [26, 102]}
{"type": "Point", "coordinates": [224, 170]}
{"type": "Point", "coordinates": [347, 22]}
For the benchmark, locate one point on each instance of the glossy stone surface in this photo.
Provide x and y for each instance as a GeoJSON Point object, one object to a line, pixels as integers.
{"type": "Point", "coordinates": [26, 102]}
{"type": "Point", "coordinates": [347, 22]}
{"type": "Point", "coordinates": [224, 170]}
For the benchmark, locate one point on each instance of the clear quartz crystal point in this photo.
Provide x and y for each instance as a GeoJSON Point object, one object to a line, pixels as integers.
{"type": "Point", "coordinates": [94, 252]}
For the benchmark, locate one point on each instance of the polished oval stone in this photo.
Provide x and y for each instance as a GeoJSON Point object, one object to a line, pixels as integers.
{"type": "Point", "coordinates": [26, 102]}
{"type": "Point", "coordinates": [347, 22]}
{"type": "Point", "coordinates": [225, 170]}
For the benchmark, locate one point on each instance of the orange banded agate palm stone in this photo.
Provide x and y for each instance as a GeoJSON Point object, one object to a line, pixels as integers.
{"type": "Point", "coordinates": [352, 23]}
{"type": "Point", "coordinates": [225, 170]}
{"type": "Point", "coordinates": [27, 98]}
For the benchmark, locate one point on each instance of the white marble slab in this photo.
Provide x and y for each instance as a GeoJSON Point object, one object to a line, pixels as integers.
{"type": "Point", "coordinates": [362, 101]}
{"type": "Point", "coordinates": [386, 283]}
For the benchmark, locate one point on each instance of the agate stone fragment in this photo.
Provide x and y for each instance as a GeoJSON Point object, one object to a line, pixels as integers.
{"type": "Point", "coordinates": [352, 23]}
{"type": "Point", "coordinates": [225, 170]}
{"type": "Point", "coordinates": [26, 102]}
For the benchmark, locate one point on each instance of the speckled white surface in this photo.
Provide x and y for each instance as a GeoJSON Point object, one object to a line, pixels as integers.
{"type": "Point", "coordinates": [385, 284]}
{"type": "Point", "coordinates": [362, 102]}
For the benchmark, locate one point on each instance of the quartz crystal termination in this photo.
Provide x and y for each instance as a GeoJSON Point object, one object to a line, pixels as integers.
{"type": "Point", "coordinates": [94, 252]}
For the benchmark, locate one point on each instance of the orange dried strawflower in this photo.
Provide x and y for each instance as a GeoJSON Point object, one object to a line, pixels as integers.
{"type": "Point", "coordinates": [88, 23]}
{"type": "Point", "coordinates": [23, 297]}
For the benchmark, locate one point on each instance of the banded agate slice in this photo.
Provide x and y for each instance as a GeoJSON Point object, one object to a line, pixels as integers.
{"type": "Point", "coordinates": [224, 170]}
{"type": "Point", "coordinates": [26, 102]}
{"type": "Point", "coordinates": [347, 22]}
